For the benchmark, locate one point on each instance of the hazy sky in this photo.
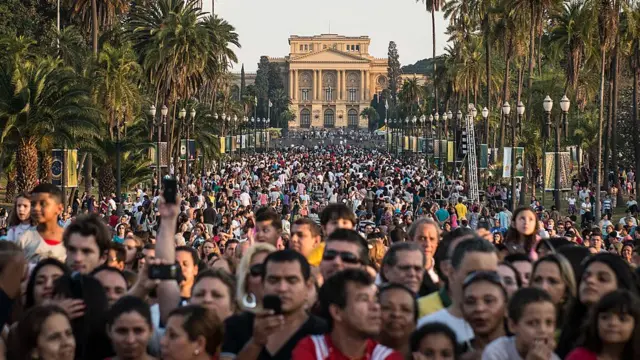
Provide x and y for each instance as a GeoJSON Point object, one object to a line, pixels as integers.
{"type": "Point", "coordinates": [265, 25]}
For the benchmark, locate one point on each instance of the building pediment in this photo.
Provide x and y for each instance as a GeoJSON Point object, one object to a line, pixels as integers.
{"type": "Point", "coordinates": [329, 55]}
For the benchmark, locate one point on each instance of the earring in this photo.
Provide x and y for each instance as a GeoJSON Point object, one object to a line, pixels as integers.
{"type": "Point", "coordinates": [249, 301]}
{"type": "Point", "coordinates": [196, 352]}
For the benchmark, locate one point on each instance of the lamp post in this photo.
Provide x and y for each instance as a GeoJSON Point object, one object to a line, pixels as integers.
{"type": "Point", "coordinates": [386, 131]}
{"type": "Point", "coordinates": [506, 110]}
{"type": "Point", "coordinates": [455, 144]}
{"type": "Point", "coordinates": [191, 125]}
{"type": "Point", "coordinates": [485, 116]}
{"type": "Point", "coordinates": [520, 113]}
{"type": "Point", "coordinates": [118, 170]}
{"type": "Point", "coordinates": [182, 114]}
{"type": "Point", "coordinates": [564, 106]}
{"type": "Point", "coordinates": [547, 104]}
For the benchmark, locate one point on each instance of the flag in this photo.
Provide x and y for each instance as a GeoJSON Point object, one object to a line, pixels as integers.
{"type": "Point", "coordinates": [386, 104]}
{"type": "Point", "coordinates": [270, 104]}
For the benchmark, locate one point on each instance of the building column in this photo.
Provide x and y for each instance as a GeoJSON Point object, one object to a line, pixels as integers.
{"type": "Point", "coordinates": [319, 84]}
{"type": "Point", "coordinates": [361, 85]}
{"type": "Point", "coordinates": [295, 84]}
{"type": "Point", "coordinates": [291, 72]}
{"type": "Point", "coordinates": [343, 85]}
{"type": "Point", "coordinates": [338, 82]}
{"type": "Point", "coordinates": [315, 84]}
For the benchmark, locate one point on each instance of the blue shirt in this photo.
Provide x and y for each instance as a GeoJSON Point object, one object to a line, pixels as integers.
{"type": "Point", "coordinates": [442, 214]}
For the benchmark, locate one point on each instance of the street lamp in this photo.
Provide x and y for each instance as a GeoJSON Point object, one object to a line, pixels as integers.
{"type": "Point", "coordinates": [564, 106]}
{"type": "Point", "coordinates": [547, 105]}
{"type": "Point", "coordinates": [485, 116]}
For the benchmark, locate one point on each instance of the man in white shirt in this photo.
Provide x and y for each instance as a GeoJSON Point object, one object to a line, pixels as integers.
{"type": "Point", "coordinates": [245, 199]}
{"type": "Point", "coordinates": [475, 254]}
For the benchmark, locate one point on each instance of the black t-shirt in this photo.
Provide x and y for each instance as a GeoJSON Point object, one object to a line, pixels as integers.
{"type": "Point", "coordinates": [239, 329]}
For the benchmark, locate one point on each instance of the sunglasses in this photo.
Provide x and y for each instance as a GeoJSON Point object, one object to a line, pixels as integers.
{"type": "Point", "coordinates": [489, 276]}
{"type": "Point", "coordinates": [345, 256]}
{"type": "Point", "coordinates": [256, 270]}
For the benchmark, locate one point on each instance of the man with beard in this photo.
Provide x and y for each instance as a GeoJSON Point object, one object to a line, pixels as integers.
{"type": "Point", "coordinates": [349, 302]}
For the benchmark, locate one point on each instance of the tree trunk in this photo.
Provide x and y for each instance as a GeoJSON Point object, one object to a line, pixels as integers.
{"type": "Point", "coordinates": [433, 38]}
{"type": "Point", "coordinates": [45, 167]}
{"type": "Point", "coordinates": [88, 174]}
{"type": "Point", "coordinates": [607, 129]}
{"type": "Point", "coordinates": [614, 130]}
{"type": "Point", "coordinates": [532, 53]}
{"type": "Point", "coordinates": [636, 118]}
{"type": "Point", "coordinates": [106, 181]}
{"type": "Point", "coordinates": [26, 165]}
{"type": "Point", "coordinates": [603, 61]}
{"type": "Point", "coordinates": [10, 194]}
{"type": "Point", "coordinates": [505, 98]}
{"type": "Point", "coordinates": [487, 64]}
{"type": "Point", "coordinates": [88, 166]}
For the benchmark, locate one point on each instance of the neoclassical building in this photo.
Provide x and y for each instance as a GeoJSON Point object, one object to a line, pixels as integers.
{"type": "Point", "coordinates": [330, 79]}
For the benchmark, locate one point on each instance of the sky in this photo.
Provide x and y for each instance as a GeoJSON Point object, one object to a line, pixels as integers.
{"type": "Point", "coordinates": [264, 26]}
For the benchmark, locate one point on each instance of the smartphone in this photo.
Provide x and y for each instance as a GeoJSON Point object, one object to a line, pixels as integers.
{"type": "Point", "coordinates": [272, 302]}
{"type": "Point", "coordinates": [163, 272]}
{"type": "Point", "coordinates": [170, 190]}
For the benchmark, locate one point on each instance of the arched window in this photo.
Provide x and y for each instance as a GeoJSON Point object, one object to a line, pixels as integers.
{"type": "Point", "coordinates": [305, 118]}
{"type": "Point", "coordinates": [329, 119]}
{"type": "Point", "coordinates": [352, 119]}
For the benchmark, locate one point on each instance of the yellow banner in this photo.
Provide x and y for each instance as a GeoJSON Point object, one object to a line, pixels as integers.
{"type": "Point", "coordinates": [450, 151]}
{"type": "Point", "coordinates": [222, 145]}
{"type": "Point", "coordinates": [72, 168]}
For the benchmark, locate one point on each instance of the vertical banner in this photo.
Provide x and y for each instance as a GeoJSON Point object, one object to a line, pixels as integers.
{"type": "Point", "coordinates": [223, 147]}
{"type": "Point", "coordinates": [484, 156]}
{"type": "Point", "coordinates": [506, 163]}
{"type": "Point", "coordinates": [183, 149]}
{"type": "Point", "coordinates": [449, 151]}
{"type": "Point", "coordinates": [519, 163]}
{"type": "Point", "coordinates": [429, 146]}
{"type": "Point", "coordinates": [444, 148]}
{"type": "Point", "coordinates": [436, 149]}
{"type": "Point", "coordinates": [227, 144]}
{"type": "Point", "coordinates": [72, 167]}
{"type": "Point", "coordinates": [56, 167]}
{"type": "Point", "coordinates": [405, 143]}
{"type": "Point", "coordinates": [565, 171]}
{"type": "Point", "coordinates": [234, 143]}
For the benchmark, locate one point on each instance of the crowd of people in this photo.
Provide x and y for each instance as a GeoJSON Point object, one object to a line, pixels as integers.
{"type": "Point", "coordinates": [334, 252]}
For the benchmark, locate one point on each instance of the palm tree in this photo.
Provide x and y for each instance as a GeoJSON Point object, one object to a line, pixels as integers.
{"type": "Point", "coordinates": [281, 102]}
{"type": "Point", "coordinates": [175, 50]}
{"type": "Point", "coordinates": [371, 114]}
{"type": "Point", "coordinates": [115, 85]}
{"type": "Point", "coordinates": [607, 26]}
{"type": "Point", "coordinates": [432, 6]}
{"type": "Point", "coordinates": [41, 102]}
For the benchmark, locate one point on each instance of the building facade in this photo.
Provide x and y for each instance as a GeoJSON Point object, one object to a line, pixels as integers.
{"type": "Point", "coordinates": [331, 79]}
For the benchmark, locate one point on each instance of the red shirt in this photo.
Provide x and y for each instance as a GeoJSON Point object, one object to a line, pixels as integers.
{"type": "Point", "coordinates": [320, 347]}
{"type": "Point", "coordinates": [581, 354]}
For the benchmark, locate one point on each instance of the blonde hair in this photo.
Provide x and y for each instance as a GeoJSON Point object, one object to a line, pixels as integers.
{"type": "Point", "coordinates": [568, 278]}
{"type": "Point", "coordinates": [243, 268]}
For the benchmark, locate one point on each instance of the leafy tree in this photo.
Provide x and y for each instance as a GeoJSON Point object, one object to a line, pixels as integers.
{"type": "Point", "coordinates": [393, 72]}
{"type": "Point", "coordinates": [242, 82]}
{"type": "Point", "coordinates": [262, 86]}
{"type": "Point", "coordinates": [371, 114]}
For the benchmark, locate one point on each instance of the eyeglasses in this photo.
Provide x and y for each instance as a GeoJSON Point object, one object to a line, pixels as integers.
{"type": "Point", "coordinates": [345, 256]}
{"type": "Point", "coordinates": [256, 270]}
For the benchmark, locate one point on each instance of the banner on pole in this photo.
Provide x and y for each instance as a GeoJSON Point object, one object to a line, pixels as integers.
{"type": "Point", "coordinates": [519, 163]}
{"type": "Point", "coordinates": [56, 167]}
{"type": "Point", "coordinates": [183, 149]}
{"type": "Point", "coordinates": [565, 171]}
{"type": "Point", "coordinates": [72, 168]}
{"type": "Point", "coordinates": [449, 151]}
{"type": "Point", "coordinates": [484, 156]}
{"type": "Point", "coordinates": [506, 162]}
{"type": "Point", "coordinates": [223, 147]}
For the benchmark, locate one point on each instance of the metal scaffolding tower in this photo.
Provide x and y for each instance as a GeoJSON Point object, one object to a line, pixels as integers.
{"type": "Point", "coordinates": [474, 195]}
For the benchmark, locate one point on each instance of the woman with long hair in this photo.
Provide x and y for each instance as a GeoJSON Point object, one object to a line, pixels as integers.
{"type": "Point", "coordinates": [553, 273]}
{"type": "Point", "coordinates": [19, 219]}
{"type": "Point", "coordinates": [249, 276]}
{"type": "Point", "coordinates": [612, 331]}
{"type": "Point", "coordinates": [522, 230]}
{"type": "Point", "coordinates": [130, 329]}
{"type": "Point", "coordinates": [601, 274]}
{"type": "Point", "coordinates": [41, 281]}
{"type": "Point", "coordinates": [44, 333]}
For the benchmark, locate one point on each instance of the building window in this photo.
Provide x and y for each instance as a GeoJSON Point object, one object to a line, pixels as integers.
{"type": "Point", "coordinates": [324, 46]}
{"type": "Point", "coordinates": [306, 48]}
{"type": "Point", "coordinates": [305, 94]}
{"type": "Point", "coordinates": [353, 95]}
{"type": "Point", "coordinates": [352, 118]}
{"type": "Point", "coordinates": [357, 47]}
{"type": "Point", "coordinates": [329, 119]}
{"type": "Point", "coordinates": [305, 118]}
{"type": "Point", "coordinates": [328, 94]}
{"type": "Point", "coordinates": [301, 47]}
